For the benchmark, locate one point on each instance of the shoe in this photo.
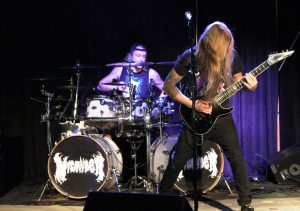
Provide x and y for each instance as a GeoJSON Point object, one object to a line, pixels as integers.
{"type": "Point", "coordinates": [247, 208]}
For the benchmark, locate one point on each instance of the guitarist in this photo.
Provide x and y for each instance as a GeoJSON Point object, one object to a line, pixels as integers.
{"type": "Point", "coordinates": [217, 65]}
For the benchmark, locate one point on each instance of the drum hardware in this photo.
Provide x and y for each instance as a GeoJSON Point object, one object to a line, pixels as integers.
{"type": "Point", "coordinates": [133, 182]}
{"type": "Point", "coordinates": [70, 100]}
{"type": "Point", "coordinates": [76, 91]}
{"type": "Point", "coordinates": [46, 117]}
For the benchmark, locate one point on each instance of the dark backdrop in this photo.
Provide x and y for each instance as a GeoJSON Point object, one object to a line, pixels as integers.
{"type": "Point", "coordinates": [39, 37]}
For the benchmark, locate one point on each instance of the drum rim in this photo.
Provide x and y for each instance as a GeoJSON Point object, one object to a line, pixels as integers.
{"type": "Point", "coordinates": [218, 177]}
{"type": "Point", "coordinates": [59, 189]}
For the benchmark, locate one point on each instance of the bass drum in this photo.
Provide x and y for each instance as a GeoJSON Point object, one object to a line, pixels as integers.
{"type": "Point", "coordinates": [79, 164]}
{"type": "Point", "coordinates": [210, 164]}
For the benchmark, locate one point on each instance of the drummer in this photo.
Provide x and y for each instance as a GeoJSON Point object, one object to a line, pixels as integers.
{"type": "Point", "coordinates": [141, 76]}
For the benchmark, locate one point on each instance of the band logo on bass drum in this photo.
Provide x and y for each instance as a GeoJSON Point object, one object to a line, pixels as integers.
{"type": "Point", "coordinates": [64, 166]}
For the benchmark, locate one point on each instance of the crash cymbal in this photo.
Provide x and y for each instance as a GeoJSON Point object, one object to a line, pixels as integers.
{"type": "Point", "coordinates": [129, 64]}
{"type": "Point", "coordinates": [80, 66]}
{"type": "Point", "coordinates": [69, 87]}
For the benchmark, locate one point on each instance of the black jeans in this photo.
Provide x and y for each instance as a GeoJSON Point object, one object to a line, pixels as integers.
{"type": "Point", "coordinates": [223, 133]}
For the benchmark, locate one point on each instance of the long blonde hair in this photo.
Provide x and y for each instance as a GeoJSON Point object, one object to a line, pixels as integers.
{"type": "Point", "coordinates": [214, 56]}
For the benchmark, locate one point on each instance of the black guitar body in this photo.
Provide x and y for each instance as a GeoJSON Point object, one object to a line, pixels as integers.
{"type": "Point", "coordinates": [203, 122]}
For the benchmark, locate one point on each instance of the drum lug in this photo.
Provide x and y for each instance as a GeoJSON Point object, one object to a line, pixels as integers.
{"type": "Point", "coordinates": [166, 152]}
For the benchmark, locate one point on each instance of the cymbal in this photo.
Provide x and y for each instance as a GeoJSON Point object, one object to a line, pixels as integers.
{"type": "Point", "coordinates": [43, 79]}
{"type": "Point", "coordinates": [165, 63]}
{"type": "Point", "coordinates": [69, 87]}
{"type": "Point", "coordinates": [129, 64]}
{"type": "Point", "coordinates": [115, 84]}
{"type": "Point", "coordinates": [122, 84]}
{"type": "Point", "coordinates": [80, 66]}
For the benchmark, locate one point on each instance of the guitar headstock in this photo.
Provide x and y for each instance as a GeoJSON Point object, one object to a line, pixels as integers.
{"type": "Point", "coordinates": [276, 57]}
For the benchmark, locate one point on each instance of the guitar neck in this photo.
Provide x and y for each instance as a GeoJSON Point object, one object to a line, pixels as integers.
{"type": "Point", "coordinates": [237, 86]}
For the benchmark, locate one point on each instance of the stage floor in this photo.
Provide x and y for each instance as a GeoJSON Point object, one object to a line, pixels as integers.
{"type": "Point", "coordinates": [266, 196]}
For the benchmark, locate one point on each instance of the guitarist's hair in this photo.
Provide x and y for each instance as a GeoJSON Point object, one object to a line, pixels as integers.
{"type": "Point", "coordinates": [214, 56]}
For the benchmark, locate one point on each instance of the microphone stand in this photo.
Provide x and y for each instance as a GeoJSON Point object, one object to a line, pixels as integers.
{"type": "Point", "coordinates": [192, 70]}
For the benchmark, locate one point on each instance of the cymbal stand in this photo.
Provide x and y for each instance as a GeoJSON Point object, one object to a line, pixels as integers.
{"type": "Point", "coordinates": [46, 117]}
{"type": "Point", "coordinates": [76, 93]}
{"type": "Point", "coordinates": [131, 94]}
{"type": "Point", "coordinates": [69, 101]}
{"type": "Point", "coordinates": [133, 182]}
{"type": "Point", "coordinates": [148, 126]}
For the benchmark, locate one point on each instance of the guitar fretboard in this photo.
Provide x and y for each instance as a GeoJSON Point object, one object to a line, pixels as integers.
{"type": "Point", "coordinates": [235, 87]}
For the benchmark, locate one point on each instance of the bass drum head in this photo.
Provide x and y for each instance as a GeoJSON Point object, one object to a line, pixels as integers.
{"type": "Point", "coordinates": [161, 150]}
{"type": "Point", "coordinates": [210, 165]}
{"type": "Point", "coordinates": [77, 165]}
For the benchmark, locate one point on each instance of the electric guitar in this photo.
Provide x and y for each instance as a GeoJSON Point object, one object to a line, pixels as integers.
{"type": "Point", "coordinates": [204, 122]}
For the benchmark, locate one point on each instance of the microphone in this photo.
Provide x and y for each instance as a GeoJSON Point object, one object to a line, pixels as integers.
{"type": "Point", "coordinates": [188, 15]}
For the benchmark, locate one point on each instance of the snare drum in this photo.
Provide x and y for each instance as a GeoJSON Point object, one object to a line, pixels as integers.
{"type": "Point", "coordinates": [79, 164]}
{"type": "Point", "coordinates": [210, 163]}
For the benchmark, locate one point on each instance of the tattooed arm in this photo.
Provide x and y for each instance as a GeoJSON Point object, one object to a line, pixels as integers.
{"type": "Point", "coordinates": [172, 91]}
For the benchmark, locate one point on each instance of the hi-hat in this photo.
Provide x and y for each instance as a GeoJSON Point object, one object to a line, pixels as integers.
{"type": "Point", "coordinates": [129, 64]}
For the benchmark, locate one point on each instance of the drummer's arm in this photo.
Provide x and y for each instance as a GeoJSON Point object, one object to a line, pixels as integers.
{"type": "Point", "coordinates": [158, 82]}
{"type": "Point", "coordinates": [114, 75]}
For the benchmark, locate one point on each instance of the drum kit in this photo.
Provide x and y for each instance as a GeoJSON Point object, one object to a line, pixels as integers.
{"type": "Point", "coordinates": [86, 158]}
